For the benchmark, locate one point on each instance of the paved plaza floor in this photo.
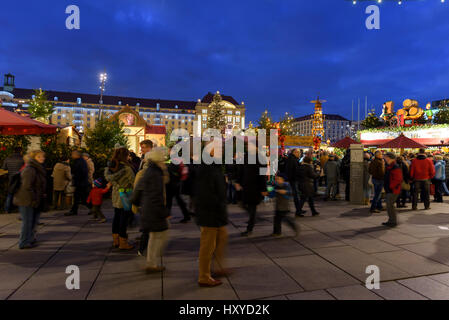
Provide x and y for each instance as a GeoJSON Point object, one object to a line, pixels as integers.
{"type": "Point", "coordinates": [327, 260]}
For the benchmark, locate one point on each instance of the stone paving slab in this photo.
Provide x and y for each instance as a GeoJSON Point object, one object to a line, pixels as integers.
{"type": "Point", "coordinates": [392, 290]}
{"type": "Point", "coordinates": [127, 286]}
{"type": "Point", "coordinates": [357, 292]}
{"type": "Point", "coordinates": [427, 287]}
{"type": "Point", "coordinates": [313, 272]}
{"type": "Point", "coordinates": [355, 262]}
{"type": "Point", "coordinates": [412, 263]}
{"type": "Point", "coordinates": [55, 286]}
{"type": "Point", "coordinates": [311, 295]}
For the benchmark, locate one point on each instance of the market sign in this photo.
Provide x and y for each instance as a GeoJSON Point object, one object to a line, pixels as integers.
{"type": "Point", "coordinates": [428, 136]}
{"type": "Point", "coordinates": [306, 141]}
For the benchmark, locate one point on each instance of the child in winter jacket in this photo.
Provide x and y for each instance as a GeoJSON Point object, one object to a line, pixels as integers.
{"type": "Point", "coordinates": [96, 198]}
{"type": "Point", "coordinates": [282, 192]}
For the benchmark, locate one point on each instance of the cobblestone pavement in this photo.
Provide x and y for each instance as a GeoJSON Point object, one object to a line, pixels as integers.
{"type": "Point", "coordinates": [327, 260]}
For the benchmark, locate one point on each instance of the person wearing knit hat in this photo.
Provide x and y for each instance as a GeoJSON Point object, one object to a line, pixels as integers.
{"type": "Point", "coordinates": [96, 199]}
{"type": "Point", "coordinates": [150, 195]}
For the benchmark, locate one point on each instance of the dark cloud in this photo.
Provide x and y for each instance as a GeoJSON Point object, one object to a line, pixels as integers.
{"type": "Point", "coordinates": [270, 54]}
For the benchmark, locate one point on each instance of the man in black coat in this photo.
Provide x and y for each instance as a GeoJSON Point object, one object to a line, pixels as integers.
{"type": "Point", "coordinates": [293, 168]}
{"type": "Point", "coordinates": [254, 187]}
{"type": "Point", "coordinates": [212, 217]}
{"type": "Point", "coordinates": [80, 180]}
{"type": "Point", "coordinates": [308, 175]}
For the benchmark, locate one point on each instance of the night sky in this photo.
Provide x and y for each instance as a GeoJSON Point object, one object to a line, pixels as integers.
{"type": "Point", "coordinates": [270, 54]}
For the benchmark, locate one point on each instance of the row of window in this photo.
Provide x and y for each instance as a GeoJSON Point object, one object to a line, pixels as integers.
{"type": "Point", "coordinates": [237, 113]}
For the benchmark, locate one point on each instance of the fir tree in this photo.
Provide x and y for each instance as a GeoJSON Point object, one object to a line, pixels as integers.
{"type": "Point", "coordinates": [286, 125]}
{"type": "Point", "coordinates": [265, 121]}
{"type": "Point", "coordinates": [215, 117]}
{"type": "Point", "coordinates": [371, 121]}
{"type": "Point", "coordinates": [40, 108]}
{"type": "Point", "coordinates": [442, 116]}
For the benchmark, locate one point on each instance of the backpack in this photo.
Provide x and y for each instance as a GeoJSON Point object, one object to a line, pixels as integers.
{"type": "Point", "coordinates": [14, 184]}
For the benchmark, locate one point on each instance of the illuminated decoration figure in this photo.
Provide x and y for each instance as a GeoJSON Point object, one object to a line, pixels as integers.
{"type": "Point", "coordinates": [317, 123]}
{"type": "Point", "coordinates": [388, 114]}
{"type": "Point", "coordinates": [430, 112]}
{"type": "Point", "coordinates": [410, 112]}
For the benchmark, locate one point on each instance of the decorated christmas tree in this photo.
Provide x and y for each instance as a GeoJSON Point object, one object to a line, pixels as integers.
{"type": "Point", "coordinates": [40, 108]}
{"type": "Point", "coordinates": [215, 118]}
{"type": "Point", "coordinates": [372, 121]}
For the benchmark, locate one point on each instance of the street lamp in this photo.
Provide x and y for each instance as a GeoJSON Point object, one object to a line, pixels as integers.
{"type": "Point", "coordinates": [103, 78]}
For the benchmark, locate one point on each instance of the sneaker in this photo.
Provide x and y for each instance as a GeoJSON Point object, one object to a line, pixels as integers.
{"type": "Point", "coordinates": [246, 233]}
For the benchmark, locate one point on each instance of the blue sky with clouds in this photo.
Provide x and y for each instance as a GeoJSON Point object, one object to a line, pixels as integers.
{"type": "Point", "coordinates": [271, 54]}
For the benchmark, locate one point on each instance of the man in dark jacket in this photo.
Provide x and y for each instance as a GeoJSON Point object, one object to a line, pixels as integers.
{"type": "Point", "coordinates": [422, 171]}
{"type": "Point", "coordinates": [377, 172]}
{"type": "Point", "coordinates": [345, 169]}
{"type": "Point", "coordinates": [392, 185]}
{"type": "Point", "coordinates": [308, 175]}
{"type": "Point", "coordinates": [13, 163]}
{"type": "Point", "coordinates": [174, 190]}
{"type": "Point", "coordinates": [254, 187]}
{"type": "Point", "coordinates": [212, 217]}
{"type": "Point", "coordinates": [332, 174]}
{"type": "Point", "coordinates": [80, 180]}
{"type": "Point", "coordinates": [292, 175]}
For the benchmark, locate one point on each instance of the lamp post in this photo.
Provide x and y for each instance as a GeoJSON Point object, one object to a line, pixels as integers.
{"type": "Point", "coordinates": [103, 78]}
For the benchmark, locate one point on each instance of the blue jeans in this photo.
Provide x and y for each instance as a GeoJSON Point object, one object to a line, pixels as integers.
{"type": "Point", "coordinates": [377, 202]}
{"type": "Point", "coordinates": [8, 202]}
{"type": "Point", "coordinates": [30, 217]}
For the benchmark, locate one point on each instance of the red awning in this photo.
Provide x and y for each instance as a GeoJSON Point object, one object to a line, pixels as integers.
{"type": "Point", "coordinates": [344, 143]}
{"type": "Point", "coordinates": [14, 124]}
{"type": "Point", "coordinates": [402, 142]}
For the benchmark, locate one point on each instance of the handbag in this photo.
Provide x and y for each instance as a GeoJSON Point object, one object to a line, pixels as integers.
{"type": "Point", "coordinates": [405, 186]}
{"type": "Point", "coordinates": [125, 195]}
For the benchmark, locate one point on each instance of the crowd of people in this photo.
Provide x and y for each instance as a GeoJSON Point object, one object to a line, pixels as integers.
{"type": "Point", "coordinates": [146, 186]}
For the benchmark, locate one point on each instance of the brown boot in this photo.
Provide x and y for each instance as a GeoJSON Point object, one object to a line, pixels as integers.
{"type": "Point", "coordinates": [124, 245]}
{"type": "Point", "coordinates": [115, 239]}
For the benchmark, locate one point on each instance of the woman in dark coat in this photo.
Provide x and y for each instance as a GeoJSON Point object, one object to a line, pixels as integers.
{"type": "Point", "coordinates": [30, 197]}
{"type": "Point", "coordinates": [308, 175]}
{"type": "Point", "coordinates": [150, 195]}
{"type": "Point", "coordinates": [212, 217]}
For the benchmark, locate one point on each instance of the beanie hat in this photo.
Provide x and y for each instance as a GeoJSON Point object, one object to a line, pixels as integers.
{"type": "Point", "coordinates": [98, 183]}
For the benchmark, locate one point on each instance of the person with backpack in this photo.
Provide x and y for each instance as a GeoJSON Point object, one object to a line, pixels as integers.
{"type": "Point", "coordinates": [13, 163]}
{"type": "Point", "coordinates": [30, 197]}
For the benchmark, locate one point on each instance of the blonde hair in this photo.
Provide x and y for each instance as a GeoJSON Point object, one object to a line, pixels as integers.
{"type": "Point", "coordinates": [33, 154]}
{"type": "Point", "coordinates": [438, 157]}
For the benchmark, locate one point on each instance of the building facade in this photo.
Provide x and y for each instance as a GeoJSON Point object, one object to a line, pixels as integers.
{"type": "Point", "coordinates": [82, 110]}
{"type": "Point", "coordinates": [335, 127]}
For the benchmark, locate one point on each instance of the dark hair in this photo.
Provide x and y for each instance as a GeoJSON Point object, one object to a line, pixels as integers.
{"type": "Point", "coordinates": [307, 159]}
{"type": "Point", "coordinates": [147, 142]}
{"type": "Point", "coordinates": [391, 155]}
{"type": "Point", "coordinates": [120, 156]}
{"type": "Point", "coordinates": [422, 150]}
{"type": "Point", "coordinates": [64, 158]}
